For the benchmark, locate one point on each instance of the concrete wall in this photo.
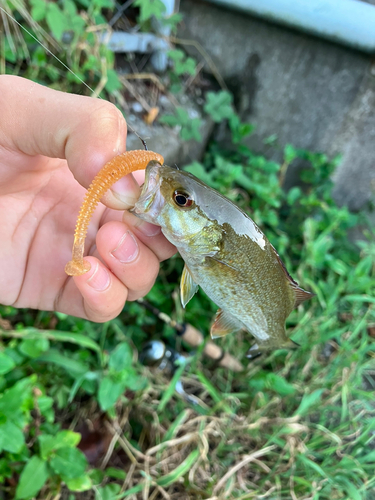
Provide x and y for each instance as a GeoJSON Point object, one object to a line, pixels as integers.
{"type": "Point", "coordinates": [311, 93]}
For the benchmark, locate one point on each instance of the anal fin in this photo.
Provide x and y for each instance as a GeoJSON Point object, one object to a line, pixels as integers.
{"type": "Point", "coordinates": [224, 324]}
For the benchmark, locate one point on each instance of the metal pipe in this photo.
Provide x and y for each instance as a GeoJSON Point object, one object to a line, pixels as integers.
{"type": "Point", "coordinates": [348, 22]}
{"type": "Point", "coordinates": [120, 41]}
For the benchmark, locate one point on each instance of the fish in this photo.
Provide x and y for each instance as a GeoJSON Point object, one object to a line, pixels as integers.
{"type": "Point", "coordinates": [225, 253]}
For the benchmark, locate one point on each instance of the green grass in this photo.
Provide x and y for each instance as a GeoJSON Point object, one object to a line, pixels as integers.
{"type": "Point", "coordinates": [294, 425]}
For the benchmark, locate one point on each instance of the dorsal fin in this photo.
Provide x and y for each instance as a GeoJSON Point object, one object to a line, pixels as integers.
{"type": "Point", "coordinates": [283, 267]}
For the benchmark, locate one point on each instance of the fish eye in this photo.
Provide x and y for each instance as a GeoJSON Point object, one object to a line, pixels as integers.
{"type": "Point", "coordinates": [182, 199]}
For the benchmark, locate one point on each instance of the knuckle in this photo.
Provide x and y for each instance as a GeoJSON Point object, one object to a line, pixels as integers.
{"type": "Point", "coordinates": [108, 113]}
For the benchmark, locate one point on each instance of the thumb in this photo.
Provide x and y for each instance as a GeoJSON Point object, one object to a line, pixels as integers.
{"type": "Point", "coordinates": [36, 120]}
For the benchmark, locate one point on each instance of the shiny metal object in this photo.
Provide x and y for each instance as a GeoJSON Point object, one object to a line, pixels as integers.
{"type": "Point", "coordinates": [157, 355]}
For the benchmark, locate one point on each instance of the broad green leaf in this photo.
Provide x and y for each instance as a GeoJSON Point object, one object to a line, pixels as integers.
{"type": "Point", "coordinates": [279, 384]}
{"type": "Point", "coordinates": [33, 348]}
{"type": "Point", "coordinates": [17, 398]}
{"type": "Point", "coordinates": [190, 127]}
{"type": "Point", "coordinates": [176, 55]}
{"type": "Point", "coordinates": [121, 357]}
{"type": "Point", "coordinates": [182, 64]}
{"type": "Point", "coordinates": [109, 392]}
{"type": "Point", "coordinates": [290, 153]}
{"type": "Point", "coordinates": [172, 20]}
{"type": "Point", "coordinates": [69, 463]}
{"type": "Point", "coordinates": [45, 405]}
{"type": "Point", "coordinates": [17, 357]}
{"type": "Point", "coordinates": [192, 131]}
{"type": "Point", "coordinates": [81, 483]}
{"type": "Point", "coordinates": [149, 8]}
{"type": "Point", "coordinates": [6, 363]}
{"type": "Point", "coordinates": [103, 4]}
{"type": "Point", "coordinates": [11, 437]}
{"type": "Point", "coordinates": [132, 379]}
{"type": "Point", "coordinates": [56, 20]}
{"type": "Point", "coordinates": [219, 105]}
{"type": "Point", "coordinates": [115, 473]}
{"type": "Point", "coordinates": [108, 492]}
{"type": "Point", "coordinates": [88, 376]}
{"type": "Point", "coordinates": [63, 439]}
{"type": "Point", "coordinates": [293, 195]}
{"type": "Point", "coordinates": [32, 478]}
{"type": "Point", "coordinates": [113, 83]}
{"type": "Point", "coordinates": [70, 8]}
{"type": "Point", "coordinates": [188, 67]}
{"type": "Point", "coordinates": [181, 117]}
{"type": "Point", "coordinates": [38, 10]}
{"type": "Point", "coordinates": [96, 475]}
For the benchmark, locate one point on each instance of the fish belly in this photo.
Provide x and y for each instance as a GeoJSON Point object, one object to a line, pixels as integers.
{"type": "Point", "coordinates": [229, 296]}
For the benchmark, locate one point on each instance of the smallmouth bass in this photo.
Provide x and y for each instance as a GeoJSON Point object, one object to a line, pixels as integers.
{"type": "Point", "coordinates": [225, 253]}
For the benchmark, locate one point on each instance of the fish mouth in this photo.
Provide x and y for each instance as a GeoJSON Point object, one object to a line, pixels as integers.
{"type": "Point", "coordinates": [150, 200]}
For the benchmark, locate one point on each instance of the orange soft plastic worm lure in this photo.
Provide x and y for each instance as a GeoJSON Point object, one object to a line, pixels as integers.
{"type": "Point", "coordinates": [112, 171]}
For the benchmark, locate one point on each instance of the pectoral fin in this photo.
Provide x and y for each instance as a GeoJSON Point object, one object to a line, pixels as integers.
{"type": "Point", "coordinates": [224, 324]}
{"type": "Point", "coordinates": [187, 286]}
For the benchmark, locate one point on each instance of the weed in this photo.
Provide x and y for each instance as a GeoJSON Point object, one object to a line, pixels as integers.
{"type": "Point", "coordinates": [294, 425]}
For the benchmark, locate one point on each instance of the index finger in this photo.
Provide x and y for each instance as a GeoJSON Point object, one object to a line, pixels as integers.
{"type": "Point", "coordinates": [87, 132]}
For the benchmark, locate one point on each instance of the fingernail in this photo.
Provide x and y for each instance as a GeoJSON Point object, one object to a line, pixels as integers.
{"type": "Point", "coordinates": [126, 190]}
{"type": "Point", "coordinates": [99, 279]}
{"type": "Point", "coordinates": [127, 248]}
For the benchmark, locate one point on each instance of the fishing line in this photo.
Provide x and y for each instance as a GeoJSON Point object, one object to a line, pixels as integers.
{"type": "Point", "coordinates": [49, 51]}
{"type": "Point", "coordinates": [66, 67]}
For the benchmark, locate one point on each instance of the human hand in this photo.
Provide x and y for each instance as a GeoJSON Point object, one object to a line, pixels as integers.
{"type": "Point", "coordinates": [52, 145]}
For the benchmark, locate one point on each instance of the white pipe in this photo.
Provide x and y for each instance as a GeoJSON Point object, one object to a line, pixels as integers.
{"type": "Point", "coordinates": [159, 59]}
{"type": "Point", "coordinates": [349, 22]}
{"type": "Point", "coordinates": [120, 41]}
